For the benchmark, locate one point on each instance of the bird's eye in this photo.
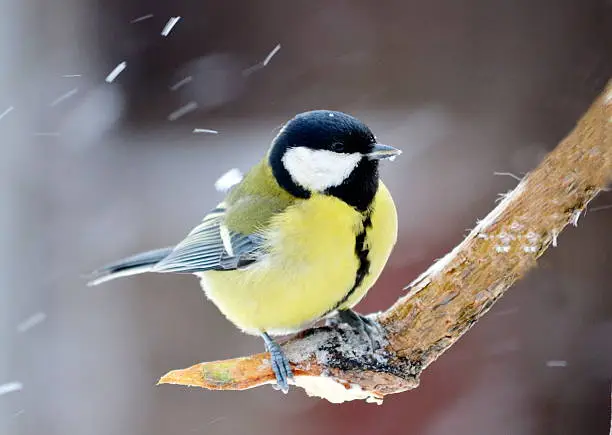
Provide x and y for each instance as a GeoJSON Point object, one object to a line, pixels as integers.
{"type": "Point", "coordinates": [337, 147]}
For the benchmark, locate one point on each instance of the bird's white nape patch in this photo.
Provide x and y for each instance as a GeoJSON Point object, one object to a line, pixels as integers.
{"type": "Point", "coordinates": [318, 170]}
{"type": "Point", "coordinates": [228, 180]}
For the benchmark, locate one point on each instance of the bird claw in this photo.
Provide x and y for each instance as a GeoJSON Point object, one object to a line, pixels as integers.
{"type": "Point", "coordinates": [280, 364]}
{"type": "Point", "coordinates": [362, 325]}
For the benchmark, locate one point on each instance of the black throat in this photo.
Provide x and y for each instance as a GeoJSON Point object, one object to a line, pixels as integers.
{"type": "Point", "coordinates": [359, 189]}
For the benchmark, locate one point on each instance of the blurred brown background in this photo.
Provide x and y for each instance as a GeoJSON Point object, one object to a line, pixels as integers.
{"type": "Point", "coordinates": [465, 88]}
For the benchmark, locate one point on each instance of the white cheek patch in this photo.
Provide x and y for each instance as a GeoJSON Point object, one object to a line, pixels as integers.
{"type": "Point", "coordinates": [318, 170]}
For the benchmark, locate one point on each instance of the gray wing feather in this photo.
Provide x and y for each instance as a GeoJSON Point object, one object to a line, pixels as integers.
{"type": "Point", "coordinates": [211, 246]}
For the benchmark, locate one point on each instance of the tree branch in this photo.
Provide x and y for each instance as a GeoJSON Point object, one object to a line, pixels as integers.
{"type": "Point", "coordinates": [446, 300]}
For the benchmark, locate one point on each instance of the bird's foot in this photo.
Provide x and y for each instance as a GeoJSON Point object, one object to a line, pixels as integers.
{"type": "Point", "coordinates": [280, 364]}
{"type": "Point", "coordinates": [362, 325]}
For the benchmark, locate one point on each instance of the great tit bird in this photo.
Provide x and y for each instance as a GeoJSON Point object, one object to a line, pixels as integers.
{"type": "Point", "coordinates": [302, 237]}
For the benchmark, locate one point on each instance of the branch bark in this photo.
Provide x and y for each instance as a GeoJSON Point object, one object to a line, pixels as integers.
{"type": "Point", "coordinates": [446, 300]}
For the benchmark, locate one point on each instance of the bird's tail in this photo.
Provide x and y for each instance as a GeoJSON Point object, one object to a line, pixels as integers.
{"type": "Point", "coordinates": [139, 263]}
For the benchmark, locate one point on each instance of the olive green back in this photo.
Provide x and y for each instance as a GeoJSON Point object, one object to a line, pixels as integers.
{"type": "Point", "coordinates": [252, 203]}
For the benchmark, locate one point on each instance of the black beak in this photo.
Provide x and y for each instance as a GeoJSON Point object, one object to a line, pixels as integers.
{"type": "Point", "coordinates": [380, 152]}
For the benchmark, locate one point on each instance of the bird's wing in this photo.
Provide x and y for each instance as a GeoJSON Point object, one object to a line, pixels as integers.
{"type": "Point", "coordinates": [212, 246]}
{"type": "Point", "coordinates": [230, 236]}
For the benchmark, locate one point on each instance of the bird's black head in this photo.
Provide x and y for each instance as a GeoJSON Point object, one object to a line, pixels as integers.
{"type": "Point", "coordinates": [328, 152]}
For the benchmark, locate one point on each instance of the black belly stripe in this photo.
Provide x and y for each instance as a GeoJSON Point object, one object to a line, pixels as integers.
{"type": "Point", "coordinates": [364, 263]}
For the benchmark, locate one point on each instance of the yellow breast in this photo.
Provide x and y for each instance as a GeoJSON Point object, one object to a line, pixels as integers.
{"type": "Point", "coordinates": [310, 268]}
{"type": "Point", "coordinates": [380, 239]}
